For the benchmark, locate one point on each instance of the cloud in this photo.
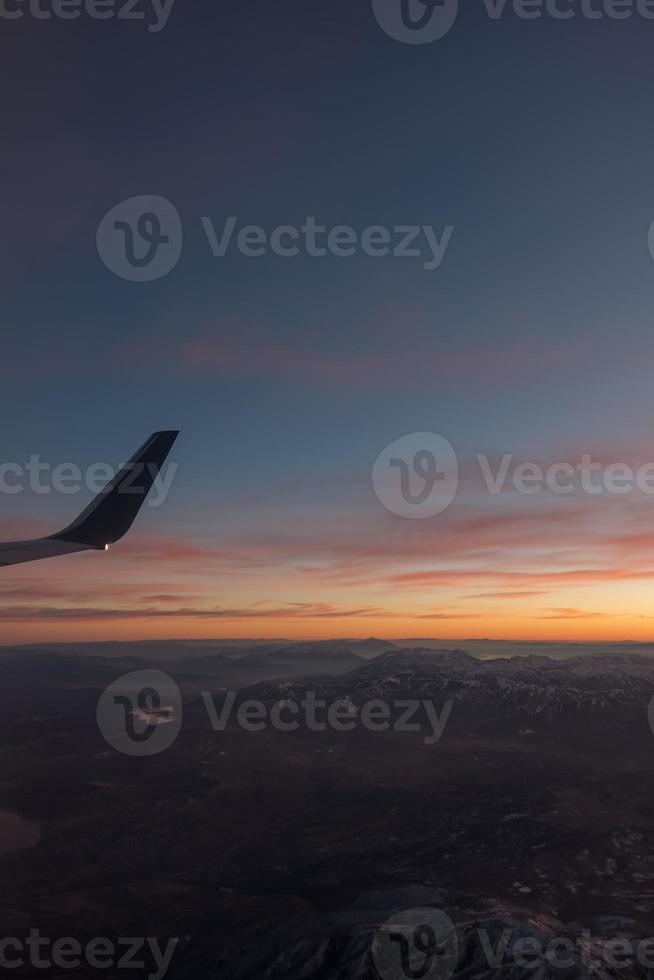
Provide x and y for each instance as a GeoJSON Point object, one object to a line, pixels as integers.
{"type": "Point", "coordinates": [449, 615]}
{"type": "Point", "coordinates": [13, 614]}
{"type": "Point", "coordinates": [570, 613]}
{"type": "Point", "coordinates": [348, 558]}
{"type": "Point", "coordinates": [390, 359]}
{"type": "Point", "coordinates": [505, 595]}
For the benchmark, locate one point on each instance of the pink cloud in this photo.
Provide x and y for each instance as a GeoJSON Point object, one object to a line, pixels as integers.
{"type": "Point", "coordinates": [18, 614]}
{"type": "Point", "coordinates": [388, 361]}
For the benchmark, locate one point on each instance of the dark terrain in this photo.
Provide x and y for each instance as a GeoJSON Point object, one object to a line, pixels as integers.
{"type": "Point", "coordinates": [279, 854]}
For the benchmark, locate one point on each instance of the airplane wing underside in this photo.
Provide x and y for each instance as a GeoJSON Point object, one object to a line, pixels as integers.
{"type": "Point", "coordinates": [108, 517]}
{"type": "Point", "coordinates": [17, 552]}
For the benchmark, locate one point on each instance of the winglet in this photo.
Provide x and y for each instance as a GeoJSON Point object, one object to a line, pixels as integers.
{"type": "Point", "coordinates": [111, 514]}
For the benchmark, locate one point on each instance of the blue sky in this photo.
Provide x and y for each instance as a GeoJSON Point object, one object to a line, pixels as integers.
{"type": "Point", "coordinates": [532, 138]}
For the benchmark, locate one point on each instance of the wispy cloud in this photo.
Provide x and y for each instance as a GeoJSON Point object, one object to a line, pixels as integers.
{"type": "Point", "coordinates": [13, 614]}
{"type": "Point", "coordinates": [570, 613]}
{"type": "Point", "coordinates": [391, 359]}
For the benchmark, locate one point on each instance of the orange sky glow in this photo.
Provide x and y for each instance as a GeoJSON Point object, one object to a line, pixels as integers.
{"type": "Point", "coordinates": [316, 562]}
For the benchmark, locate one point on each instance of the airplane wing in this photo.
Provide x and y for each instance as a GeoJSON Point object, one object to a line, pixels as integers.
{"type": "Point", "coordinates": [109, 515]}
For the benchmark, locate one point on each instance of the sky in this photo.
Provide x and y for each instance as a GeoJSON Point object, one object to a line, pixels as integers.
{"type": "Point", "coordinates": [524, 146]}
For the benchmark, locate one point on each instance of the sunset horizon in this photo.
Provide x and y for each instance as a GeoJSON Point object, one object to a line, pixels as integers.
{"type": "Point", "coordinates": [510, 551]}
